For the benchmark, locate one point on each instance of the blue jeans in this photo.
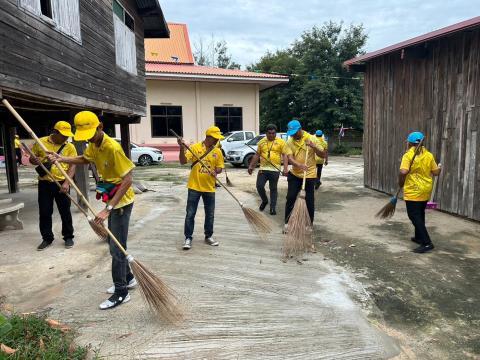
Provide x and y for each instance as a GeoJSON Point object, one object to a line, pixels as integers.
{"type": "Point", "coordinates": [118, 224]}
{"type": "Point", "coordinates": [192, 205]}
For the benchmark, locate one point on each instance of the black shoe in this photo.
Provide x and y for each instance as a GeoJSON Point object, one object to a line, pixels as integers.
{"type": "Point", "coordinates": [424, 248]}
{"type": "Point", "coordinates": [262, 206]}
{"type": "Point", "coordinates": [317, 185]}
{"type": "Point", "coordinates": [69, 243]}
{"type": "Point", "coordinates": [43, 245]}
{"type": "Point", "coordinates": [114, 301]}
{"type": "Point", "coordinates": [415, 240]}
{"type": "Point", "coordinates": [273, 212]}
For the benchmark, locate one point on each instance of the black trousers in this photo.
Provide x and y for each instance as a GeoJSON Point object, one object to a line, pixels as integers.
{"type": "Point", "coordinates": [416, 214]}
{"type": "Point", "coordinates": [272, 178]}
{"type": "Point", "coordinates": [118, 223]}
{"type": "Point", "coordinates": [48, 192]}
{"type": "Point", "coordinates": [319, 173]}
{"type": "Point", "coordinates": [294, 187]}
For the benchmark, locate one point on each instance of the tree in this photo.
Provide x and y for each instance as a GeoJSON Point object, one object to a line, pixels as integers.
{"type": "Point", "coordinates": [320, 92]}
{"type": "Point", "coordinates": [214, 53]}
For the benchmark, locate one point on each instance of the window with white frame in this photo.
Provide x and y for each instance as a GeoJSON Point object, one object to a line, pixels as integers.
{"type": "Point", "coordinates": [64, 15]}
{"type": "Point", "coordinates": [125, 48]}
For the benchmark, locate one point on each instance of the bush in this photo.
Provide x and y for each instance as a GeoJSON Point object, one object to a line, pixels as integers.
{"type": "Point", "coordinates": [342, 149]}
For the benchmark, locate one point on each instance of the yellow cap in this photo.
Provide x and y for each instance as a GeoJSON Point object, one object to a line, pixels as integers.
{"type": "Point", "coordinates": [214, 132]}
{"type": "Point", "coordinates": [86, 123]}
{"type": "Point", "coordinates": [64, 128]}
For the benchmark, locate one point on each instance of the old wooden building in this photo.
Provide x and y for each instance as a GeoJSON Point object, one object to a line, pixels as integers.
{"type": "Point", "coordinates": [61, 56]}
{"type": "Point", "coordinates": [430, 83]}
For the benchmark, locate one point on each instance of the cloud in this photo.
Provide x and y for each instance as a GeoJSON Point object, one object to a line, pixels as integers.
{"type": "Point", "coordinates": [251, 28]}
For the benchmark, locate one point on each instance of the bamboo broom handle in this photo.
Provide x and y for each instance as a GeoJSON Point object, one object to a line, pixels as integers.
{"type": "Point", "coordinates": [264, 158]}
{"type": "Point", "coordinates": [305, 172]}
{"type": "Point", "coordinates": [64, 173]}
{"type": "Point", "coordinates": [206, 167]}
{"type": "Point", "coordinates": [27, 149]}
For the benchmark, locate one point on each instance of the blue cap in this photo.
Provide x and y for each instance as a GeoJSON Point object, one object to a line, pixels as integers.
{"type": "Point", "coordinates": [293, 127]}
{"type": "Point", "coordinates": [319, 133]}
{"type": "Point", "coordinates": [415, 137]}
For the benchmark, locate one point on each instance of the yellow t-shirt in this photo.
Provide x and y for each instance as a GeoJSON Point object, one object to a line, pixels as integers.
{"type": "Point", "coordinates": [69, 150]}
{"type": "Point", "coordinates": [17, 143]}
{"type": "Point", "coordinates": [419, 182]}
{"type": "Point", "coordinates": [200, 178]}
{"type": "Point", "coordinates": [271, 150]}
{"type": "Point", "coordinates": [298, 149]}
{"type": "Point", "coordinates": [112, 165]}
{"type": "Point", "coordinates": [319, 159]}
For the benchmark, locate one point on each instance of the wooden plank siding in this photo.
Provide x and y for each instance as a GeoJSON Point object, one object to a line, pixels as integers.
{"type": "Point", "coordinates": [439, 95]}
{"type": "Point", "coordinates": [36, 59]}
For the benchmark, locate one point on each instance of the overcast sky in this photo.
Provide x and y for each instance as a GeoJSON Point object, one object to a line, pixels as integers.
{"type": "Point", "coordinates": [251, 27]}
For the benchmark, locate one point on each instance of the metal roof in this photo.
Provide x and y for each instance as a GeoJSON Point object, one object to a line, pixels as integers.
{"type": "Point", "coordinates": [206, 73]}
{"type": "Point", "coordinates": [474, 22]}
{"type": "Point", "coordinates": [175, 49]}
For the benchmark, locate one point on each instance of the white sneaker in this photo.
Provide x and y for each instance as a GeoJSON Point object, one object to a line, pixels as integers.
{"type": "Point", "coordinates": [114, 301]}
{"type": "Point", "coordinates": [211, 241]}
{"type": "Point", "coordinates": [131, 284]}
{"type": "Point", "coordinates": [187, 244]}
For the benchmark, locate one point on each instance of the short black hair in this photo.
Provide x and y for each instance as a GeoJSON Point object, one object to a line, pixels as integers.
{"type": "Point", "coordinates": [271, 127]}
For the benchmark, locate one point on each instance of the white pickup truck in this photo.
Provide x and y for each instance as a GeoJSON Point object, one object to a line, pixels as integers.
{"type": "Point", "coordinates": [235, 139]}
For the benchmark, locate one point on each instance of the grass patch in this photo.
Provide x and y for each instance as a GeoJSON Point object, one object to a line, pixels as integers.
{"type": "Point", "coordinates": [342, 149]}
{"type": "Point", "coordinates": [33, 338]}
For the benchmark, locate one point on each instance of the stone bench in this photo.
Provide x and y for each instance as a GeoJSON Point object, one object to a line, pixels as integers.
{"type": "Point", "coordinates": [9, 215]}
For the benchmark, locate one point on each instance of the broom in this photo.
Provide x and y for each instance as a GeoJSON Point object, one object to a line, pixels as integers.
{"type": "Point", "coordinates": [98, 229]}
{"type": "Point", "coordinates": [160, 298]}
{"type": "Point", "coordinates": [298, 238]}
{"type": "Point", "coordinates": [227, 180]}
{"type": "Point", "coordinates": [264, 158]}
{"type": "Point", "coordinates": [259, 224]}
{"type": "Point", "coordinates": [388, 210]}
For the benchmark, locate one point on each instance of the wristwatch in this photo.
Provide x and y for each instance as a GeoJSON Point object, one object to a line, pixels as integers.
{"type": "Point", "coordinates": [109, 207]}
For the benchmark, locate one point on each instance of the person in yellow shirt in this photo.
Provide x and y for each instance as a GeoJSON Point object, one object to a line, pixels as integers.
{"type": "Point", "coordinates": [18, 150]}
{"type": "Point", "coordinates": [416, 178]}
{"type": "Point", "coordinates": [321, 161]}
{"type": "Point", "coordinates": [270, 147]}
{"type": "Point", "coordinates": [296, 150]}
{"type": "Point", "coordinates": [115, 170]}
{"type": "Point", "coordinates": [48, 191]}
{"type": "Point", "coordinates": [201, 183]}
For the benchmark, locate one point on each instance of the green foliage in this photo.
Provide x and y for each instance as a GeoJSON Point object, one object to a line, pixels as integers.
{"type": "Point", "coordinates": [5, 325]}
{"type": "Point", "coordinates": [25, 337]}
{"type": "Point", "coordinates": [321, 92]}
{"type": "Point", "coordinates": [342, 149]}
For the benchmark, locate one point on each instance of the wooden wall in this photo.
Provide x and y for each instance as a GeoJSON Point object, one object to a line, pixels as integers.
{"type": "Point", "coordinates": [36, 59]}
{"type": "Point", "coordinates": [439, 94]}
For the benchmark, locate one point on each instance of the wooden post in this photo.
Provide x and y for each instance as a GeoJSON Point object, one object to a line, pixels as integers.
{"type": "Point", "coordinates": [81, 174]}
{"type": "Point", "coordinates": [8, 137]}
{"type": "Point", "coordinates": [125, 135]}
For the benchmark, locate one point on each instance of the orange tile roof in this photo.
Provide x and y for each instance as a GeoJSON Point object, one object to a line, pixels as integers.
{"type": "Point", "coordinates": [207, 70]}
{"type": "Point", "coordinates": [178, 45]}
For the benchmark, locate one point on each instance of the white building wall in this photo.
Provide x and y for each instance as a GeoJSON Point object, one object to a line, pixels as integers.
{"type": "Point", "coordinates": [198, 100]}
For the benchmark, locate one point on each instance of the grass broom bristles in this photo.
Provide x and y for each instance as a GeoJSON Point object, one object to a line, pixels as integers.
{"type": "Point", "coordinates": [161, 299]}
{"type": "Point", "coordinates": [227, 180]}
{"type": "Point", "coordinates": [299, 235]}
{"type": "Point", "coordinates": [258, 223]}
{"type": "Point", "coordinates": [98, 229]}
{"type": "Point", "coordinates": [388, 210]}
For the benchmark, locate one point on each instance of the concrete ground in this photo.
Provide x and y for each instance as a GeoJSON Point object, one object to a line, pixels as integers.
{"type": "Point", "coordinates": [363, 295]}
